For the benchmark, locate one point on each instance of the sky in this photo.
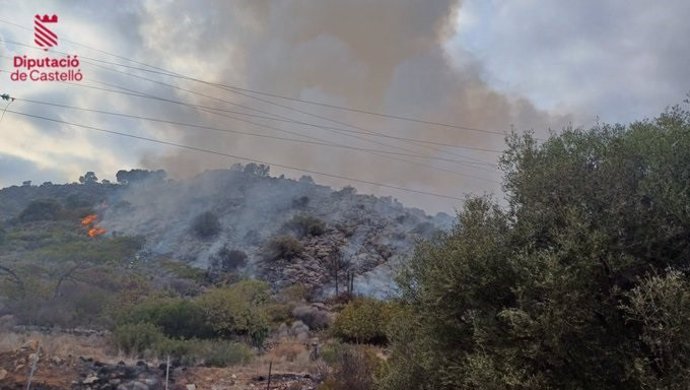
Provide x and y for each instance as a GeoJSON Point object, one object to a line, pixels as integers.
{"type": "Point", "coordinates": [484, 66]}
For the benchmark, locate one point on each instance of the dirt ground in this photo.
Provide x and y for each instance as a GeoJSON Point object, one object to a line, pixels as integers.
{"type": "Point", "coordinates": [83, 362]}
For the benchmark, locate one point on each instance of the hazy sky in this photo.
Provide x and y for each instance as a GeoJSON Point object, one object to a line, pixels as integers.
{"type": "Point", "coordinates": [483, 64]}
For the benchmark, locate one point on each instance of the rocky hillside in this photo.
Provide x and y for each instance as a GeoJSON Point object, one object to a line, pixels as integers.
{"type": "Point", "coordinates": [244, 220]}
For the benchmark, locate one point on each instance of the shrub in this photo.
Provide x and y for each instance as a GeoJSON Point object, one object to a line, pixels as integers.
{"type": "Point", "coordinates": [41, 210]}
{"type": "Point", "coordinates": [364, 320]}
{"type": "Point", "coordinates": [178, 318]}
{"type": "Point", "coordinates": [354, 368]}
{"type": "Point", "coordinates": [184, 352]}
{"type": "Point", "coordinates": [227, 353]}
{"type": "Point", "coordinates": [206, 225]}
{"type": "Point", "coordinates": [78, 200]}
{"type": "Point", "coordinates": [305, 225]}
{"type": "Point", "coordinates": [227, 260]}
{"type": "Point", "coordinates": [279, 313]}
{"type": "Point", "coordinates": [283, 247]}
{"type": "Point", "coordinates": [183, 270]}
{"type": "Point", "coordinates": [136, 338]}
{"type": "Point", "coordinates": [238, 310]}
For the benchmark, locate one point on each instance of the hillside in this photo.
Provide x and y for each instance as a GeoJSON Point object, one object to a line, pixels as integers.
{"type": "Point", "coordinates": [230, 272]}
{"type": "Point", "coordinates": [355, 234]}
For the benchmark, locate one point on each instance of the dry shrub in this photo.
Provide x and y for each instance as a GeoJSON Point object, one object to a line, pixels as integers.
{"type": "Point", "coordinates": [287, 356]}
{"type": "Point", "coordinates": [63, 345]}
{"type": "Point", "coordinates": [289, 351]}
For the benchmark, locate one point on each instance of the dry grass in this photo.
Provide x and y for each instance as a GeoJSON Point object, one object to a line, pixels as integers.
{"type": "Point", "coordinates": [64, 345]}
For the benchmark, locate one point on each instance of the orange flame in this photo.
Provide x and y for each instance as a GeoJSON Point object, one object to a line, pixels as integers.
{"type": "Point", "coordinates": [90, 223]}
{"type": "Point", "coordinates": [89, 219]}
{"type": "Point", "coordinates": [96, 231]}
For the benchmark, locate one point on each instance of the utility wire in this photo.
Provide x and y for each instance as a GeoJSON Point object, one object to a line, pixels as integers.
{"type": "Point", "coordinates": [327, 128]}
{"type": "Point", "coordinates": [214, 110]}
{"type": "Point", "coordinates": [379, 153]}
{"type": "Point", "coordinates": [211, 110]}
{"type": "Point", "coordinates": [225, 87]}
{"type": "Point", "coordinates": [216, 129]}
{"type": "Point", "coordinates": [203, 150]}
{"type": "Point", "coordinates": [276, 117]}
{"type": "Point", "coordinates": [359, 129]}
{"type": "Point", "coordinates": [159, 70]}
{"type": "Point", "coordinates": [273, 118]}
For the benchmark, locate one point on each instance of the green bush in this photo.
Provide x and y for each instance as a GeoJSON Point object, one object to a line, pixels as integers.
{"type": "Point", "coordinates": [305, 225]}
{"type": "Point", "coordinates": [186, 352]}
{"type": "Point", "coordinates": [283, 247]}
{"type": "Point", "coordinates": [41, 210]}
{"type": "Point", "coordinates": [364, 320]}
{"type": "Point", "coordinates": [183, 270]}
{"type": "Point", "coordinates": [206, 225]}
{"type": "Point", "coordinates": [238, 310]}
{"type": "Point", "coordinates": [137, 338]}
{"type": "Point", "coordinates": [146, 340]}
{"type": "Point", "coordinates": [227, 353]}
{"type": "Point", "coordinates": [175, 317]}
{"type": "Point", "coordinates": [353, 367]}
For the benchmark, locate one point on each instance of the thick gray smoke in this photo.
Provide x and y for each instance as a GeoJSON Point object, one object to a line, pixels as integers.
{"type": "Point", "coordinates": [386, 56]}
{"type": "Point", "coordinates": [368, 235]}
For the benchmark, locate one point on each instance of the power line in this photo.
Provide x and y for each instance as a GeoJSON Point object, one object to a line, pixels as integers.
{"type": "Point", "coordinates": [163, 71]}
{"type": "Point", "coordinates": [417, 163]}
{"type": "Point", "coordinates": [211, 110]}
{"type": "Point", "coordinates": [225, 87]}
{"type": "Point", "coordinates": [281, 118]}
{"type": "Point", "coordinates": [203, 127]}
{"type": "Point", "coordinates": [203, 150]}
{"type": "Point", "coordinates": [367, 132]}
{"type": "Point", "coordinates": [289, 120]}
{"type": "Point", "coordinates": [360, 129]}
{"type": "Point", "coordinates": [144, 95]}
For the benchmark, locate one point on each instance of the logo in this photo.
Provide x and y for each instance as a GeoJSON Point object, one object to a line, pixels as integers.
{"type": "Point", "coordinates": [46, 68]}
{"type": "Point", "coordinates": [43, 36]}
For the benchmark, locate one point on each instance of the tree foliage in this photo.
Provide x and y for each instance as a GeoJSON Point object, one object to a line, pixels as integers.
{"type": "Point", "coordinates": [305, 225]}
{"type": "Point", "coordinates": [364, 321]}
{"type": "Point", "coordinates": [238, 309]}
{"type": "Point", "coordinates": [283, 247]}
{"type": "Point", "coordinates": [138, 175]}
{"type": "Point", "coordinates": [579, 283]}
{"type": "Point", "coordinates": [88, 178]}
{"type": "Point", "coordinates": [41, 210]}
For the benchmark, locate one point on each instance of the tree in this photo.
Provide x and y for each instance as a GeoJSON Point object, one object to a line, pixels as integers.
{"type": "Point", "coordinates": [338, 266]}
{"type": "Point", "coordinates": [580, 282]}
{"type": "Point", "coordinates": [259, 170]}
{"type": "Point", "coordinates": [88, 178]}
{"type": "Point", "coordinates": [139, 175]}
